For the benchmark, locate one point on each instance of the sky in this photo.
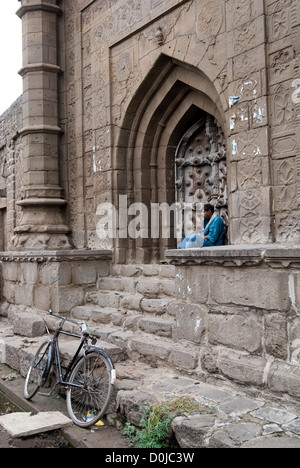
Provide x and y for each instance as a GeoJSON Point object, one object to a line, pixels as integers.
{"type": "Point", "coordinates": [10, 53]}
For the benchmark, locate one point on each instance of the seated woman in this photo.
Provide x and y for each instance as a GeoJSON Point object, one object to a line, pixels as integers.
{"type": "Point", "coordinates": [214, 231]}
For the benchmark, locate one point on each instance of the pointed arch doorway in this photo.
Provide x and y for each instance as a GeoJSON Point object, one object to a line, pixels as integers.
{"type": "Point", "coordinates": [171, 109]}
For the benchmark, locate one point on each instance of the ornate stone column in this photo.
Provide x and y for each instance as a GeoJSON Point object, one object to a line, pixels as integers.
{"type": "Point", "coordinates": [41, 226]}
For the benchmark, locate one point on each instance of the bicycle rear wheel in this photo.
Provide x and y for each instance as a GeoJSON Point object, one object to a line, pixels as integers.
{"type": "Point", "coordinates": [91, 388]}
{"type": "Point", "coordinates": [38, 371]}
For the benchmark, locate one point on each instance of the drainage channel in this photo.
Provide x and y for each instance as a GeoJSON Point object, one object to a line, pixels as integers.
{"type": "Point", "coordinates": [7, 405]}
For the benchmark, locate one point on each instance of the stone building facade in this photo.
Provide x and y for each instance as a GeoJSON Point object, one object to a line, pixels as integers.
{"type": "Point", "coordinates": [155, 102]}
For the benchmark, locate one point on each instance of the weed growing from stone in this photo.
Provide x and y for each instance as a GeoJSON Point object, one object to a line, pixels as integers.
{"type": "Point", "coordinates": [156, 423]}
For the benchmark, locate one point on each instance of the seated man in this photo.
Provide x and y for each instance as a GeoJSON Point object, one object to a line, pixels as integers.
{"type": "Point", "coordinates": [214, 230]}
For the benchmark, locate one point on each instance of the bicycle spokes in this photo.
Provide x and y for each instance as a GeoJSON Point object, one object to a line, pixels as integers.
{"type": "Point", "coordinates": [90, 397]}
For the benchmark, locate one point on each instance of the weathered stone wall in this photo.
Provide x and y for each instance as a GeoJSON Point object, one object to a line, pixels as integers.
{"type": "Point", "coordinates": [33, 283]}
{"type": "Point", "coordinates": [10, 178]}
{"type": "Point", "coordinates": [242, 307]}
{"type": "Point", "coordinates": [125, 78]}
{"type": "Point", "coordinates": [121, 59]}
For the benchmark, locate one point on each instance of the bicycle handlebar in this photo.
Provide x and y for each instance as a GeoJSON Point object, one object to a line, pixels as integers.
{"type": "Point", "coordinates": [82, 325]}
{"type": "Point", "coordinates": [66, 319]}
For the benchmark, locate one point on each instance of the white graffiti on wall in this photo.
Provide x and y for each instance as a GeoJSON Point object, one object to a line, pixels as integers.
{"type": "Point", "coordinates": [295, 358]}
{"type": "Point", "coordinates": [296, 93]}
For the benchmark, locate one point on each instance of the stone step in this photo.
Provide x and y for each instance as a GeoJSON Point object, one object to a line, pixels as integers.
{"type": "Point", "coordinates": [155, 350]}
{"type": "Point", "coordinates": [100, 317]}
{"type": "Point", "coordinates": [156, 326]}
{"type": "Point", "coordinates": [160, 352]}
{"type": "Point", "coordinates": [69, 347]}
{"type": "Point", "coordinates": [131, 302]}
{"type": "Point", "coordinates": [137, 270]}
{"type": "Point", "coordinates": [147, 287]}
{"type": "Point", "coordinates": [17, 352]}
{"type": "Point", "coordinates": [104, 299]}
{"type": "Point", "coordinates": [103, 315]}
{"type": "Point", "coordinates": [158, 306]}
{"type": "Point", "coordinates": [141, 336]}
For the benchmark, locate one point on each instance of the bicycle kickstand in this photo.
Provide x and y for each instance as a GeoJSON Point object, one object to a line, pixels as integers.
{"type": "Point", "coordinates": [51, 391]}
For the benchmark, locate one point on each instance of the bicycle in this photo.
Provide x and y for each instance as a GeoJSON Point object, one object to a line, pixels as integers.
{"type": "Point", "coordinates": [89, 378]}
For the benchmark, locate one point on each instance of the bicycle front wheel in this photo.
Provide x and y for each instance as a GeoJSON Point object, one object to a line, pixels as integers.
{"type": "Point", "coordinates": [91, 388]}
{"type": "Point", "coordinates": [38, 371]}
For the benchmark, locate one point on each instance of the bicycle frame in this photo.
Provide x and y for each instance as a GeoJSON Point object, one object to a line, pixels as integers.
{"type": "Point", "coordinates": [89, 378]}
{"type": "Point", "coordinates": [55, 353]}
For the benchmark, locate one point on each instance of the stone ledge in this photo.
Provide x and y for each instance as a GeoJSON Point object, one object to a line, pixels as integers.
{"type": "Point", "coordinates": [244, 255]}
{"type": "Point", "coordinates": [56, 256]}
{"type": "Point", "coordinates": [38, 6]}
{"type": "Point", "coordinates": [40, 67]}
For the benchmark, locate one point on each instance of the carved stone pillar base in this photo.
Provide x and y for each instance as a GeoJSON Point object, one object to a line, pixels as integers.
{"type": "Point", "coordinates": [42, 226]}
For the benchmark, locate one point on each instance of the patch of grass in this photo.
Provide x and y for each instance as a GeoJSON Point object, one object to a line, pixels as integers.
{"type": "Point", "coordinates": [156, 423]}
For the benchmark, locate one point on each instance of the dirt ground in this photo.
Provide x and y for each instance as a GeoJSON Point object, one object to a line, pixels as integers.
{"type": "Point", "coordinates": [48, 440]}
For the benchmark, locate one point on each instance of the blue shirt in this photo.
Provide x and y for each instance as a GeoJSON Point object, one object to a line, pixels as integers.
{"type": "Point", "coordinates": [215, 232]}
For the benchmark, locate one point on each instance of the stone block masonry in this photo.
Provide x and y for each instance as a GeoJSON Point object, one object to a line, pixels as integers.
{"type": "Point", "coordinates": [241, 306]}
{"type": "Point", "coordinates": [229, 313]}
{"type": "Point", "coordinates": [39, 281]}
{"type": "Point", "coordinates": [209, 340]}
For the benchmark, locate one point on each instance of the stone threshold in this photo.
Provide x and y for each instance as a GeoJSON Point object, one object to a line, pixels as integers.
{"type": "Point", "coordinates": [273, 255]}
{"type": "Point", "coordinates": [56, 255]}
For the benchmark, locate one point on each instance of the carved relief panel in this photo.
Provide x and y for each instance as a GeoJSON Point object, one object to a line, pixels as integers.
{"type": "Point", "coordinates": [282, 71]}
{"type": "Point", "coordinates": [246, 48]}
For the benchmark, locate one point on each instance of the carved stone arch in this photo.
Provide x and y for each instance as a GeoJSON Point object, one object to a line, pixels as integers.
{"type": "Point", "coordinates": [168, 103]}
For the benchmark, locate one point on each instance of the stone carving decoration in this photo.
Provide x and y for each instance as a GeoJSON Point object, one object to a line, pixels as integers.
{"type": "Point", "coordinates": [250, 201]}
{"type": "Point", "coordinates": [124, 66]}
{"type": "Point", "coordinates": [126, 77]}
{"type": "Point", "coordinates": [288, 227]}
{"type": "Point", "coordinates": [201, 170]}
{"type": "Point", "coordinates": [244, 38]}
{"type": "Point", "coordinates": [285, 173]}
{"type": "Point", "coordinates": [281, 21]}
{"type": "Point", "coordinates": [286, 188]}
{"type": "Point", "coordinates": [249, 174]}
{"type": "Point", "coordinates": [283, 106]}
{"type": "Point", "coordinates": [210, 19]}
{"type": "Point", "coordinates": [284, 146]}
{"type": "Point", "coordinates": [250, 230]}
{"type": "Point", "coordinates": [281, 65]}
{"type": "Point", "coordinates": [241, 12]}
